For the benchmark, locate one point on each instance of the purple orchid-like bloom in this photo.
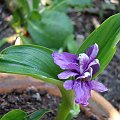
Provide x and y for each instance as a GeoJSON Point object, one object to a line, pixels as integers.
{"type": "Point", "coordinates": [81, 68]}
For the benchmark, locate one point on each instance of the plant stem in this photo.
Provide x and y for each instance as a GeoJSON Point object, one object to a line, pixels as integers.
{"type": "Point", "coordinates": [66, 109]}
{"type": "Point", "coordinates": [63, 110]}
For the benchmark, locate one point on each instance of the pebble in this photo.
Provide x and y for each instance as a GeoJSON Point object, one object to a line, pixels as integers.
{"type": "Point", "coordinates": [37, 96]}
{"type": "Point", "coordinates": [80, 38]}
{"type": "Point", "coordinates": [105, 72]}
{"type": "Point", "coordinates": [118, 76]}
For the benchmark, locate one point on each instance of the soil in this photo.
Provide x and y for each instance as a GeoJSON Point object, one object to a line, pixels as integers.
{"type": "Point", "coordinates": [31, 100]}
{"type": "Point", "coordinates": [5, 29]}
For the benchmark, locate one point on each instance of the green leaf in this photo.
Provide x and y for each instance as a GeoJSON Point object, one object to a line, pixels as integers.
{"type": "Point", "coordinates": [14, 115]}
{"type": "Point", "coordinates": [106, 36]}
{"type": "Point", "coordinates": [59, 5]}
{"type": "Point", "coordinates": [3, 41]}
{"type": "Point", "coordinates": [71, 44]}
{"type": "Point", "coordinates": [24, 6]}
{"type": "Point", "coordinates": [37, 115]}
{"type": "Point", "coordinates": [51, 30]}
{"type": "Point", "coordinates": [26, 40]}
{"type": "Point", "coordinates": [35, 4]}
{"type": "Point", "coordinates": [79, 3]}
{"type": "Point", "coordinates": [34, 15]}
{"type": "Point", "coordinates": [16, 21]}
{"type": "Point", "coordinates": [30, 60]}
{"type": "Point", "coordinates": [63, 5]}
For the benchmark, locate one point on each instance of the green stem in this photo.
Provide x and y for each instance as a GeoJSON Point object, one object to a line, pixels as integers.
{"type": "Point", "coordinates": [67, 109]}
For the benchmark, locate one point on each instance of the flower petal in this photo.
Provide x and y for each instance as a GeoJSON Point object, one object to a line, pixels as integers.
{"type": "Point", "coordinates": [92, 51]}
{"type": "Point", "coordinates": [78, 91]}
{"type": "Point", "coordinates": [82, 92]}
{"type": "Point", "coordinates": [87, 93]}
{"type": "Point", "coordinates": [90, 70]}
{"type": "Point", "coordinates": [64, 59]}
{"type": "Point", "coordinates": [85, 75]}
{"type": "Point", "coordinates": [73, 66]}
{"type": "Point", "coordinates": [95, 65]}
{"type": "Point", "coordinates": [68, 85]}
{"type": "Point", "coordinates": [83, 61]}
{"type": "Point", "coordinates": [66, 74]}
{"type": "Point", "coordinates": [97, 86]}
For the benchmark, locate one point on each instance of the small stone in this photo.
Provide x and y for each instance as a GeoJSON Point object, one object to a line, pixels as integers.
{"type": "Point", "coordinates": [105, 72]}
{"type": "Point", "coordinates": [37, 96]}
{"type": "Point", "coordinates": [80, 38]}
{"type": "Point", "coordinates": [0, 21]}
{"type": "Point", "coordinates": [4, 104]}
{"type": "Point", "coordinates": [118, 76]}
{"type": "Point", "coordinates": [43, 92]}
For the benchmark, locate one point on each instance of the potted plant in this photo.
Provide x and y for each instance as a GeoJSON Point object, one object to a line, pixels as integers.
{"type": "Point", "coordinates": [42, 63]}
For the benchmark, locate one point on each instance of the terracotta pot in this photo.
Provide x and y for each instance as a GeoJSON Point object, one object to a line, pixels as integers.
{"type": "Point", "coordinates": [98, 107]}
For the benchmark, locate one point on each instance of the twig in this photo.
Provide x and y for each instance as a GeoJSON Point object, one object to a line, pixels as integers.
{"type": "Point", "coordinates": [107, 106]}
{"type": "Point", "coordinates": [95, 22]}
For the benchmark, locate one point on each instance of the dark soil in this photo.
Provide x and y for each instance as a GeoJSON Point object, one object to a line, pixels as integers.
{"type": "Point", "coordinates": [31, 100]}
{"type": "Point", "coordinates": [5, 29]}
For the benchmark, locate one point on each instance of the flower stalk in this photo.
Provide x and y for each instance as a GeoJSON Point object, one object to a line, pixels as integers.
{"type": "Point", "coordinates": [67, 109]}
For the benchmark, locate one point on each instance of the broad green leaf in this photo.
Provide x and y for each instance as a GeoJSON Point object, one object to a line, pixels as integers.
{"type": "Point", "coordinates": [37, 115]}
{"type": "Point", "coordinates": [14, 115]}
{"type": "Point", "coordinates": [30, 60]}
{"type": "Point", "coordinates": [106, 36]}
{"type": "Point", "coordinates": [51, 30]}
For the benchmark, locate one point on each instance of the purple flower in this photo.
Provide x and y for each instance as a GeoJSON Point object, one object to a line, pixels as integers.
{"type": "Point", "coordinates": [81, 69]}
